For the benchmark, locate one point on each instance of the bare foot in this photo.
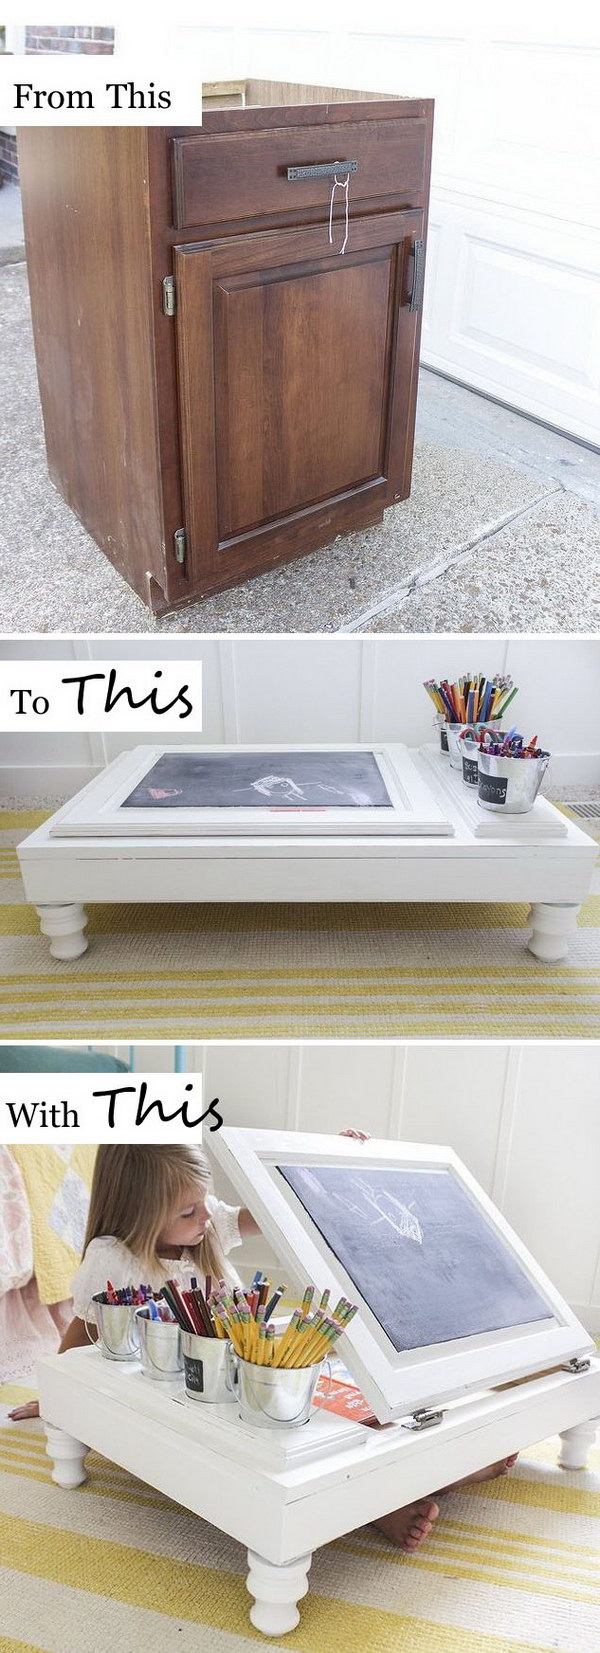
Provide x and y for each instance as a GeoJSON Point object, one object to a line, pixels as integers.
{"type": "Point", "coordinates": [409, 1526]}
{"type": "Point", "coordinates": [30, 1410]}
{"type": "Point", "coordinates": [491, 1473]}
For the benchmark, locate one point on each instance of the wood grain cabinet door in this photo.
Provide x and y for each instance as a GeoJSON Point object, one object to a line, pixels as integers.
{"type": "Point", "coordinates": [297, 369]}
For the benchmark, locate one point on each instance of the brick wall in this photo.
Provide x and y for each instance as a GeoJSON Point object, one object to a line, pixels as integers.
{"type": "Point", "coordinates": [50, 38]}
{"type": "Point", "coordinates": [8, 158]}
{"type": "Point", "coordinates": [70, 38]}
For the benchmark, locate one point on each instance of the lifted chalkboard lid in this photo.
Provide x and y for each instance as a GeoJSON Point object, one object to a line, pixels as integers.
{"type": "Point", "coordinates": [398, 1382]}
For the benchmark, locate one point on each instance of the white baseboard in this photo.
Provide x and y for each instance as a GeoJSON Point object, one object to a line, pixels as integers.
{"type": "Point", "coordinates": [575, 768]}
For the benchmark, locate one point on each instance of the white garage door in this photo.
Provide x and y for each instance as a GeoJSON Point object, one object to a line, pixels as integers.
{"type": "Point", "coordinates": [513, 288]}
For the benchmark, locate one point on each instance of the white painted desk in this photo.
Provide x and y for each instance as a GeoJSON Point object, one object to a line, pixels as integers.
{"type": "Point", "coordinates": [541, 858]}
{"type": "Point", "coordinates": [337, 1476]}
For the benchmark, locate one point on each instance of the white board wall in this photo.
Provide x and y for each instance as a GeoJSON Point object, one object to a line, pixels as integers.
{"type": "Point", "coordinates": [525, 1119]}
{"type": "Point", "coordinates": [338, 689]}
{"type": "Point", "coordinates": [512, 301]}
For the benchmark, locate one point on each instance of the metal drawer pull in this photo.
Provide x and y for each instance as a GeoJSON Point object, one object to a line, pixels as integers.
{"type": "Point", "coordinates": [418, 280]}
{"type": "Point", "coordinates": [324, 169]}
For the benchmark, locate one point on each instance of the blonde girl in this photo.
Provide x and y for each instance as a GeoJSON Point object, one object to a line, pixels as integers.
{"type": "Point", "coordinates": [153, 1213]}
{"type": "Point", "coordinates": [152, 1208]}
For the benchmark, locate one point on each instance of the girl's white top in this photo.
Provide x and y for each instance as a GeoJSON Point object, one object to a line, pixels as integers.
{"type": "Point", "coordinates": [109, 1259]}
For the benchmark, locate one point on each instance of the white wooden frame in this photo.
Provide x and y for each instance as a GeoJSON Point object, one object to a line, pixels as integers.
{"type": "Point", "coordinates": [283, 1514]}
{"type": "Point", "coordinates": [99, 811]}
{"type": "Point", "coordinates": [394, 1383]}
{"type": "Point", "coordinates": [541, 860]}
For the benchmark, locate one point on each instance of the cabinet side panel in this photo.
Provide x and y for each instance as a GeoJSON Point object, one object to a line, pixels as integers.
{"type": "Point", "coordinates": [87, 237]}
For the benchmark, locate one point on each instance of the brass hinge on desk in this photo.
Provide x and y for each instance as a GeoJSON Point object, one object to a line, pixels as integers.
{"type": "Point", "coordinates": [423, 1419]}
{"type": "Point", "coordinates": [169, 295]}
{"type": "Point", "coordinates": [180, 543]}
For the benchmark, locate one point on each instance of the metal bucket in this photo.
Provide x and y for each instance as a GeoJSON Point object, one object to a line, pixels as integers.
{"type": "Point", "coordinates": [456, 743]}
{"type": "Point", "coordinates": [274, 1397]}
{"type": "Point", "coordinates": [440, 724]}
{"type": "Point", "coordinates": [160, 1346]}
{"type": "Point", "coordinates": [117, 1330]}
{"type": "Point", "coordinates": [470, 762]}
{"type": "Point", "coordinates": [509, 786]}
{"type": "Point", "coordinates": [210, 1369]}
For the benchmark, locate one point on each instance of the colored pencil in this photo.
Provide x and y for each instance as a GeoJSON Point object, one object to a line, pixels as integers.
{"type": "Point", "coordinates": [473, 698]}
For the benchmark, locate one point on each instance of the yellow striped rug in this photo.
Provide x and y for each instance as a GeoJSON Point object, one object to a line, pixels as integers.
{"type": "Point", "coordinates": [511, 1567]}
{"type": "Point", "coordinates": [339, 971]}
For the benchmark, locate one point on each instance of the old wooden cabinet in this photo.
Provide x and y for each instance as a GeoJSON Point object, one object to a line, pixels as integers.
{"type": "Point", "coordinates": [226, 337]}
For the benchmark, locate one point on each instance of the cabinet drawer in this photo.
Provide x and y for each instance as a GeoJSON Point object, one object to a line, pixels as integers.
{"type": "Point", "coordinates": [224, 177]}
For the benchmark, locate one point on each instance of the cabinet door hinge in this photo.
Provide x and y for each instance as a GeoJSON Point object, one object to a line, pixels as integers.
{"type": "Point", "coordinates": [180, 542]}
{"type": "Point", "coordinates": [424, 1418]}
{"type": "Point", "coordinates": [169, 296]}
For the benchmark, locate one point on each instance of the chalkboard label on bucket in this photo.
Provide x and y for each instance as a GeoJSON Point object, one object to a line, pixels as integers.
{"type": "Point", "coordinates": [194, 1374]}
{"type": "Point", "coordinates": [444, 739]}
{"type": "Point", "coordinates": [470, 770]}
{"type": "Point", "coordinates": [493, 789]}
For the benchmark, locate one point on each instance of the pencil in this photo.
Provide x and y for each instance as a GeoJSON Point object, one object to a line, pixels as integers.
{"type": "Point", "coordinates": [285, 1340]}
{"type": "Point", "coordinates": [297, 1345]}
{"type": "Point", "coordinates": [173, 1298]}
{"type": "Point", "coordinates": [271, 1306]}
{"type": "Point", "coordinates": [309, 1345]}
{"type": "Point", "coordinates": [194, 1313]}
{"type": "Point", "coordinates": [473, 698]}
{"type": "Point", "coordinates": [507, 702]}
{"type": "Point", "coordinates": [306, 1339]}
{"type": "Point", "coordinates": [203, 1309]}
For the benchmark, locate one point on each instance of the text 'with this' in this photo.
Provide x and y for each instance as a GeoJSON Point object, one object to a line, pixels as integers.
{"type": "Point", "coordinates": [151, 1108]}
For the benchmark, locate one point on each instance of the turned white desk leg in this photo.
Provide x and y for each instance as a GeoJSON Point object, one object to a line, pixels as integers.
{"type": "Point", "coordinates": [67, 1456]}
{"type": "Point", "coordinates": [65, 925]}
{"type": "Point", "coordinates": [276, 1591]}
{"type": "Point", "coordinates": [577, 1443]}
{"type": "Point", "coordinates": [553, 925]}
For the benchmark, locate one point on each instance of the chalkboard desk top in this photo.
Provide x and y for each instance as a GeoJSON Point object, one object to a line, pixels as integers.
{"type": "Point", "coordinates": [422, 846]}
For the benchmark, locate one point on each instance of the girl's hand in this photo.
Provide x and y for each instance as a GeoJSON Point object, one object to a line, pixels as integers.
{"type": "Point", "coordinates": [359, 1136]}
{"type": "Point", "coordinates": [30, 1410]}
